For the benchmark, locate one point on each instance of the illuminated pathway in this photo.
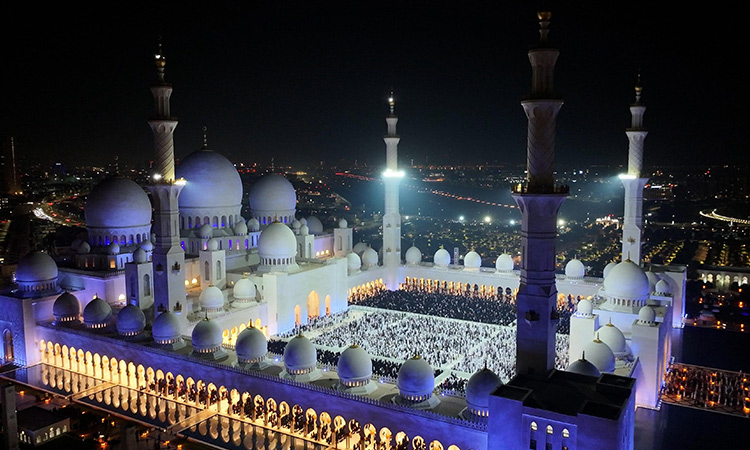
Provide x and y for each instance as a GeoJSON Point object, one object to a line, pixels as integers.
{"type": "Point", "coordinates": [708, 389]}
{"type": "Point", "coordinates": [713, 215]}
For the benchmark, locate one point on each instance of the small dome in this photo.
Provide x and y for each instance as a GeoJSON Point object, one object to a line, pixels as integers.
{"type": "Point", "coordinates": [205, 231]}
{"type": "Point", "coordinates": [113, 248]}
{"type": "Point", "coordinates": [608, 268]}
{"type": "Point", "coordinates": [74, 245]}
{"type": "Point", "coordinates": [36, 267]}
{"type": "Point", "coordinates": [584, 308]}
{"type": "Point", "coordinates": [296, 224]}
{"type": "Point", "coordinates": [251, 345]}
{"type": "Point", "coordinates": [627, 280]}
{"type": "Point", "coordinates": [600, 355]}
{"type": "Point", "coordinates": [302, 221]}
{"type": "Point", "coordinates": [583, 367]}
{"type": "Point", "coordinates": [117, 203]}
{"type": "Point", "coordinates": [277, 241]}
{"type": "Point", "coordinates": [304, 230]}
{"type": "Point", "coordinates": [240, 228]}
{"type": "Point", "coordinates": [166, 328]}
{"type": "Point", "coordinates": [472, 260]}
{"type": "Point", "coordinates": [416, 379]}
{"type": "Point", "coordinates": [504, 263]}
{"type": "Point", "coordinates": [212, 245]}
{"type": "Point", "coordinates": [140, 256]}
{"type": "Point", "coordinates": [130, 321]}
{"type": "Point", "coordinates": [66, 308]}
{"type": "Point", "coordinates": [370, 258]}
{"type": "Point", "coordinates": [613, 337]}
{"type": "Point", "coordinates": [574, 269]}
{"type": "Point", "coordinates": [272, 195]}
{"type": "Point", "coordinates": [442, 257]}
{"type": "Point", "coordinates": [300, 355]}
{"type": "Point", "coordinates": [314, 225]}
{"type": "Point", "coordinates": [355, 366]}
{"type": "Point", "coordinates": [211, 179]}
{"type": "Point", "coordinates": [253, 224]}
{"type": "Point", "coordinates": [663, 288]}
{"type": "Point", "coordinates": [353, 262]}
{"type": "Point", "coordinates": [211, 299]}
{"type": "Point", "coordinates": [479, 388]}
{"type": "Point", "coordinates": [97, 313]}
{"type": "Point", "coordinates": [147, 246]}
{"type": "Point", "coordinates": [343, 223]}
{"type": "Point", "coordinates": [244, 289]}
{"type": "Point", "coordinates": [359, 248]}
{"type": "Point", "coordinates": [83, 248]}
{"type": "Point", "coordinates": [646, 316]}
{"type": "Point", "coordinates": [413, 255]}
{"type": "Point", "coordinates": [206, 337]}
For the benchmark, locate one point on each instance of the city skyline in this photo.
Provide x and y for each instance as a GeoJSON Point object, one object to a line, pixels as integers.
{"type": "Point", "coordinates": [310, 83]}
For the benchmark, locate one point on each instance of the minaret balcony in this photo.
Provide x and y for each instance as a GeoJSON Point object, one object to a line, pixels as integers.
{"type": "Point", "coordinates": [519, 188]}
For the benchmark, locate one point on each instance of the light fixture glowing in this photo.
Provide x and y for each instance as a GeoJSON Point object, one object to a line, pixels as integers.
{"type": "Point", "coordinates": [180, 182]}
{"type": "Point", "coordinates": [487, 219]}
{"type": "Point", "coordinates": [157, 176]}
{"type": "Point", "coordinates": [626, 176]}
{"type": "Point", "coordinates": [393, 174]}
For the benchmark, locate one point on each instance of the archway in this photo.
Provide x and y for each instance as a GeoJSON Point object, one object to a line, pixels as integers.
{"type": "Point", "coordinates": [8, 352]}
{"type": "Point", "coordinates": [297, 316]}
{"type": "Point", "coordinates": [328, 305]}
{"type": "Point", "coordinates": [313, 305]}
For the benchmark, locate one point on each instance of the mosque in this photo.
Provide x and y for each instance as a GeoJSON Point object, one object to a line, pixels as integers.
{"type": "Point", "coordinates": [173, 287]}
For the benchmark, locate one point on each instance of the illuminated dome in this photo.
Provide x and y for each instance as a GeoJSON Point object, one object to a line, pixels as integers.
{"type": "Point", "coordinates": [575, 270]}
{"type": "Point", "coordinates": [442, 258]}
{"type": "Point", "coordinates": [583, 367]}
{"type": "Point", "coordinates": [627, 281]}
{"type": "Point", "coordinates": [113, 248]}
{"type": "Point", "coordinates": [140, 256]}
{"type": "Point", "coordinates": [244, 289]}
{"type": "Point", "coordinates": [300, 356]}
{"type": "Point", "coordinates": [663, 288]}
{"type": "Point", "coordinates": [304, 230]}
{"type": "Point", "coordinates": [413, 256]}
{"type": "Point", "coordinates": [478, 390]}
{"type": "Point", "coordinates": [355, 366]}
{"type": "Point", "coordinates": [240, 228]}
{"type": "Point", "coordinates": [211, 299]}
{"type": "Point", "coordinates": [205, 231]}
{"type": "Point", "coordinates": [472, 260]}
{"type": "Point", "coordinates": [314, 225]}
{"type": "Point", "coordinates": [212, 245]}
{"type": "Point", "coordinates": [206, 337]}
{"type": "Point", "coordinates": [167, 328]}
{"type": "Point", "coordinates": [130, 321]}
{"type": "Point", "coordinates": [608, 268]}
{"type": "Point", "coordinates": [272, 198]}
{"type": "Point", "coordinates": [600, 355]}
{"type": "Point", "coordinates": [584, 308]}
{"type": "Point", "coordinates": [343, 223]}
{"type": "Point", "coordinates": [213, 189]}
{"type": "Point", "coordinates": [97, 313]}
{"type": "Point", "coordinates": [370, 258]}
{"type": "Point", "coordinates": [277, 247]}
{"type": "Point", "coordinates": [613, 337]}
{"type": "Point", "coordinates": [353, 262]}
{"type": "Point", "coordinates": [36, 273]}
{"type": "Point", "coordinates": [504, 263]}
{"type": "Point", "coordinates": [251, 346]}
{"type": "Point", "coordinates": [359, 248]}
{"type": "Point", "coordinates": [66, 308]}
{"type": "Point", "coordinates": [83, 248]}
{"type": "Point", "coordinates": [647, 316]}
{"type": "Point", "coordinates": [253, 224]}
{"type": "Point", "coordinates": [117, 207]}
{"type": "Point", "coordinates": [416, 380]}
{"type": "Point", "coordinates": [147, 245]}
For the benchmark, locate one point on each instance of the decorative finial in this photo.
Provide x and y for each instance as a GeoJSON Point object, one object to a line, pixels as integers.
{"type": "Point", "coordinates": [205, 138]}
{"type": "Point", "coordinates": [638, 89]}
{"type": "Point", "coordinates": [392, 103]}
{"type": "Point", "coordinates": [160, 61]}
{"type": "Point", "coordinates": [544, 17]}
{"type": "Point", "coordinates": [583, 355]}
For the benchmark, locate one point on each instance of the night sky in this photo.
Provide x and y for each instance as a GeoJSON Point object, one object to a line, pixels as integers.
{"type": "Point", "coordinates": [305, 83]}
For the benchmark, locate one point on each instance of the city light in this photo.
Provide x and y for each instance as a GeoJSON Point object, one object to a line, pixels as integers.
{"type": "Point", "coordinates": [487, 219]}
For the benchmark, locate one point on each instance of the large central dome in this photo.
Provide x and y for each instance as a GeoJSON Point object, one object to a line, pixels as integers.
{"type": "Point", "coordinates": [272, 198]}
{"type": "Point", "coordinates": [117, 207]}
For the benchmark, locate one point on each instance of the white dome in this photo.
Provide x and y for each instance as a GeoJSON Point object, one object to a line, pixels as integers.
{"type": "Point", "coordinates": [206, 337]}
{"type": "Point", "coordinates": [205, 231]}
{"type": "Point", "coordinates": [442, 257]}
{"type": "Point", "coordinates": [277, 241]}
{"type": "Point", "coordinates": [303, 221]}
{"type": "Point", "coordinates": [253, 224]}
{"type": "Point", "coordinates": [478, 390]}
{"type": "Point", "coordinates": [304, 230]}
{"type": "Point", "coordinates": [272, 196]}
{"type": "Point", "coordinates": [211, 298]}
{"type": "Point", "coordinates": [584, 367]}
{"type": "Point", "coordinates": [343, 223]}
{"type": "Point", "coordinates": [353, 262]}
{"type": "Point", "coordinates": [166, 328]}
{"type": "Point", "coordinates": [608, 268]}
{"type": "Point", "coordinates": [147, 245]}
{"type": "Point", "coordinates": [574, 269]}
{"type": "Point", "coordinates": [646, 316]}
{"type": "Point", "coordinates": [413, 255]}
{"type": "Point", "coordinates": [472, 260]}
{"type": "Point", "coordinates": [600, 355]}
{"type": "Point", "coordinates": [314, 225]}
{"type": "Point", "coordinates": [628, 281]}
{"type": "Point", "coordinates": [355, 366]}
{"type": "Point", "coordinates": [36, 267]}
{"type": "Point", "coordinates": [584, 308]}
{"type": "Point", "coordinates": [240, 228]}
{"type": "Point", "coordinates": [251, 345]}
{"type": "Point", "coordinates": [113, 248]}
{"type": "Point", "coordinates": [97, 313]}
{"type": "Point", "coordinates": [116, 203]}
{"type": "Point", "coordinates": [370, 258]}
{"type": "Point", "coordinates": [663, 288]}
{"type": "Point", "coordinates": [416, 379]}
{"type": "Point", "coordinates": [359, 248]}
{"type": "Point", "coordinates": [244, 289]}
{"type": "Point", "coordinates": [296, 224]}
{"type": "Point", "coordinates": [130, 320]}
{"type": "Point", "coordinates": [66, 308]}
{"type": "Point", "coordinates": [300, 355]}
{"type": "Point", "coordinates": [140, 256]}
{"type": "Point", "coordinates": [212, 184]}
{"type": "Point", "coordinates": [83, 248]}
{"type": "Point", "coordinates": [504, 263]}
{"type": "Point", "coordinates": [613, 337]}
{"type": "Point", "coordinates": [212, 245]}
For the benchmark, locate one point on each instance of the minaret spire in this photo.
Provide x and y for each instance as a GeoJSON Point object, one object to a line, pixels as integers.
{"type": "Point", "coordinates": [162, 123]}
{"type": "Point", "coordinates": [392, 217]}
{"type": "Point", "coordinates": [539, 200]}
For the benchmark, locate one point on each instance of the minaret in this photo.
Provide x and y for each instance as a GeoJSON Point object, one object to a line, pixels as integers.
{"type": "Point", "coordinates": [392, 218]}
{"type": "Point", "coordinates": [539, 201]}
{"type": "Point", "coordinates": [168, 256]}
{"type": "Point", "coordinates": [632, 228]}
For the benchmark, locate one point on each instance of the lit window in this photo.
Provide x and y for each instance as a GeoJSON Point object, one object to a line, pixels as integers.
{"type": "Point", "coordinates": [549, 429]}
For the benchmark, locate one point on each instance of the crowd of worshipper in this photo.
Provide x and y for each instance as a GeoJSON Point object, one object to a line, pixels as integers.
{"type": "Point", "coordinates": [453, 384]}
{"type": "Point", "coordinates": [707, 388]}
